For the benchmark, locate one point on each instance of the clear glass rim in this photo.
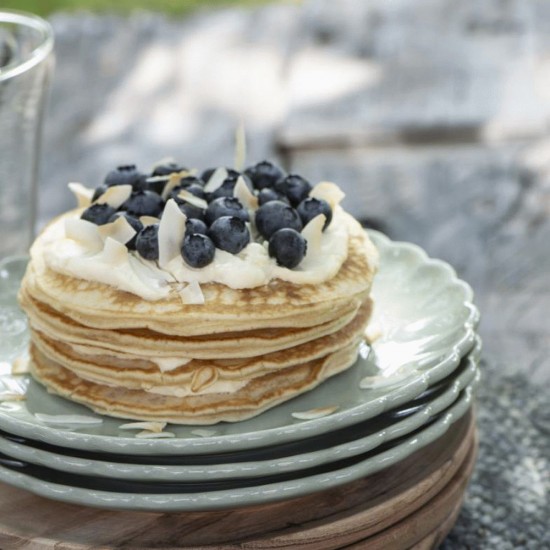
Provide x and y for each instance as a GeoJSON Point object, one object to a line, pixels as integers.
{"type": "Point", "coordinates": [39, 53]}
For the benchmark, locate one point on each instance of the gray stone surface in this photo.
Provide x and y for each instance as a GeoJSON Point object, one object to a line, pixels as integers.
{"type": "Point", "coordinates": [433, 115]}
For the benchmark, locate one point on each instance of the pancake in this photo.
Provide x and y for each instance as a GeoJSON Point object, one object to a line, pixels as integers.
{"type": "Point", "coordinates": [158, 339]}
{"type": "Point", "coordinates": [255, 397]}
{"type": "Point", "coordinates": [134, 372]}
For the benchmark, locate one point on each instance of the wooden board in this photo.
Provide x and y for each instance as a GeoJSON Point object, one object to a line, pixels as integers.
{"type": "Point", "coordinates": [414, 498]}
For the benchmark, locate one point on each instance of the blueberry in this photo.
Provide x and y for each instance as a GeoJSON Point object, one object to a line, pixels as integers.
{"type": "Point", "coordinates": [190, 210]}
{"type": "Point", "coordinates": [124, 175]}
{"type": "Point", "coordinates": [275, 215]}
{"type": "Point", "coordinates": [264, 174]}
{"type": "Point", "coordinates": [147, 242]}
{"type": "Point", "coordinates": [225, 206]}
{"type": "Point", "coordinates": [207, 174]}
{"type": "Point", "coordinates": [197, 250]}
{"type": "Point", "coordinates": [194, 225]}
{"type": "Point", "coordinates": [134, 222]}
{"type": "Point", "coordinates": [294, 187]}
{"type": "Point", "coordinates": [99, 190]}
{"type": "Point", "coordinates": [267, 194]}
{"type": "Point", "coordinates": [311, 207]}
{"type": "Point", "coordinates": [167, 168]}
{"type": "Point", "coordinates": [229, 233]}
{"type": "Point", "coordinates": [144, 203]}
{"type": "Point", "coordinates": [98, 213]}
{"type": "Point", "coordinates": [288, 247]}
{"type": "Point", "coordinates": [187, 181]}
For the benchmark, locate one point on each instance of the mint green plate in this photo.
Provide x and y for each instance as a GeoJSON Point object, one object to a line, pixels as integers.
{"type": "Point", "coordinates": [427, 322]}
{"type": "Point", "coordinates": [246, 496]}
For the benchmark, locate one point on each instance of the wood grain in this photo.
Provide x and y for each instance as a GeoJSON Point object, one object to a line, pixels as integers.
{"type": "Point", "coordinates": [331, 519]}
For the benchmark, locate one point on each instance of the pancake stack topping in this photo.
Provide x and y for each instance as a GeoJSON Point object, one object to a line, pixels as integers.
{"type": "Point", "coordinates": [192, 298]}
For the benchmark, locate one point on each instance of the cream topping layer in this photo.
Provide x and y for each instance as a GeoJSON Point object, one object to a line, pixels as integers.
{"type": "Point", "coordinates": [74, 247]}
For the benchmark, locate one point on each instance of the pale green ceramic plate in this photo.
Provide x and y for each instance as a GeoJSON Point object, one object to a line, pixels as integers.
{"type": "Point", "coordinates": [398, 428]}
{"type": "Point", "coordinates": [427, 323]}
{"type": "Point", "coordinates": [248, 496]}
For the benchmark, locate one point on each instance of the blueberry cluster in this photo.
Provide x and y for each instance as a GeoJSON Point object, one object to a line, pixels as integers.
{"type": "Point", "coordinates": [285, 207]}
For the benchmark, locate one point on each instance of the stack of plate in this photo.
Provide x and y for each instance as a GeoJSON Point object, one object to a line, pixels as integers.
{"type": "Point", "coordinates": [409, 387]}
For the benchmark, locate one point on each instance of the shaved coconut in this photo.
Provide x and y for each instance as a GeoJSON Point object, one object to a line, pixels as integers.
{"type": "Point", "coordinates": [375, 382]}
{"type": "Point", "coordinates": [171, 232]}
{"type": "Point", "coordinates": [245, 196]}
{"type": "Point", "coordinates": [83, 194]}
{"type": "Point", "coordinates": [154, 435]}
{"type": "Point", "coordinates": [84, 232]}
{"type": "Point", "coordinates": [115, 196]}
{"type": "Point", "coordinates": [119, 230]}
{"type": "Point", "coordinates": [67, 419]}
{"type": "Point", "coordinates": [12, 397]}
{"type": "Point", "coordinates": [216, 180]}
{"type": "Point", "coordinates": [155, 427]}
{"type": "Point", "coordinates": [192, 199]}
{"type": "Point", "coordinates": [329, 192]}
{"type": "Point", "coordinates": [192, 294]}
{"type": "Point", "coordinates": [373, 332]}
{"type": "Point", "coordinates": [148, 220]}
{"type": "Point", "coordinates": [203, 378]}
{"type": "Point", "coordinates": [114, 252]}
{"type": "Point", "coordinates": [20, 365]}
{"type": "Point", "coordinates": [313, 234]}
{"type": "Point", "coordinates": [173, 181]}
{"type": "Point", "coordinates": [203, 433]}
{"type": "Point", "coordinates": [312, 414]}
{"type": "Point", "coordinates": [240, 147]}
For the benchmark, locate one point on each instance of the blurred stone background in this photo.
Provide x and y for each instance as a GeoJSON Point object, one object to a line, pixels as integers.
{"type": "Point", "coordinates": [434, 117]}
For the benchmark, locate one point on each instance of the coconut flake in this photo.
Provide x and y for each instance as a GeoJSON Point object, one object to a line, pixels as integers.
{"type": "Point", "coordinates": [20, 365]}
{"type": "Point", "coordinates": [192, 294]}
{"type": "Point", "coordinates": [216, 180]}
{"type": "Point", "coordinates": [154, 435]}
{"type": "Point", "coordinates": [203, 378]}
{"type": "Point", "coordinates": [12, 397]}
{"type": "Point", "coordinates": [171, 232]}
{"type": "Point", "coordinates": [192, 199]}
{"type": "Point", "coordinates": [375, 382]}
{"type": "Point", "coordinates": [245, 196]}
{"type": "Point", "coordinates": [114, 253]}
{"type": "Point", "coordinates": [373, 332]}
{"type": "Point", "coordinates": [313, 234]}
{"type": "Point", "coordinates": [173, 181]}
{"type": "Point", "coordinates": [84, 232]}
{"type": "Point", "coordinates": [240, 147]}
{"type": "Point", "coordinates": [67, 419]}
{"type": "Point", "coordinates": [148, 220]}
{"type": "Point", "coordinates": [119, 230]}
{"type": "Point", "coordinates": [83, 194]}
{"type": "Point", "coordinates": [204, 433]}
{"type": "Point", "coordinates": [115, 196]}
{"type": "Point", "coordinates": [329, 192]}
{"type": "Point", "coordinates": [155, 427]}
{"type": "Point", "coordinates": [312, 414]}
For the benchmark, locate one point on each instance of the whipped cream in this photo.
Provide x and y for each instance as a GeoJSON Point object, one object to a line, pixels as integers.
{"type": "Point", "coordinates": [96, 253]}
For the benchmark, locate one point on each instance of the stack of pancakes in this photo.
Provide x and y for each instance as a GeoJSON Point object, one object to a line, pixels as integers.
{"type": "Point", "coordinates": [229, 359]}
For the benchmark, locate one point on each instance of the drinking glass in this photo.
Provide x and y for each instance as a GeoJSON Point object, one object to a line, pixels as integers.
{"type": "Point", "coordinates": [26, 60]}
